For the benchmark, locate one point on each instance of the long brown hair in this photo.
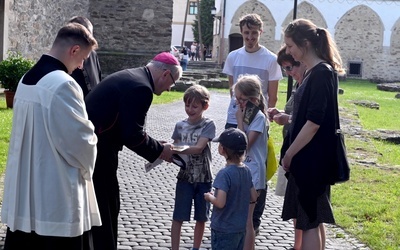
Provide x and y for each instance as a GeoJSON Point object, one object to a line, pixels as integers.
{"type": "Point", "coordinates": [303, 30]}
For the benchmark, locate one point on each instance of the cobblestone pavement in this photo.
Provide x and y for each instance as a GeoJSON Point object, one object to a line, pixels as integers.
{"type": "Point", "coordinates": [148, 198]}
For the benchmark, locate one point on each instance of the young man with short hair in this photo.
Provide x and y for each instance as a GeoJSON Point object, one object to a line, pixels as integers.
{"type": "Point", "coordinates": [252, 58]}
{"type": "Point", "coordinates": [49, 200]}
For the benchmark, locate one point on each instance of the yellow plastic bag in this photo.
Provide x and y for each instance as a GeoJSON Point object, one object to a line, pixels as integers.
{"type": "Point", "coordinates": [271, 164]}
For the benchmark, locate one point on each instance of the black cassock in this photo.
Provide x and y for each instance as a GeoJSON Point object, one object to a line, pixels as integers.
{"type": "Point", "coordinates": [118, 107]}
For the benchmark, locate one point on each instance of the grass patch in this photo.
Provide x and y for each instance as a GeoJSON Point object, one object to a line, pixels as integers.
{"type": "Point", "coordinates": [167, 97]}
{"type": "Point", "coordinates": [372, 119]}
{"type": "Point", "coordinates": [367, 205]}
{"type": "Point", "coordinates": [386, 117]}
{"type": "Point", "coordinates": [5, 131]}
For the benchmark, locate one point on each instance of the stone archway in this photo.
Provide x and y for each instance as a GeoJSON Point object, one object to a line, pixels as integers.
{"type": "Point", "coordinates": [359, 37]}
{"type": "Point", "coordinates": [395, 38]}
{"type": "Point", "coordinates": [268, 35]}
{"type": "Point", "coordinates": [307, 11]}
{"type": "Point", "coordinates": [360, 28]}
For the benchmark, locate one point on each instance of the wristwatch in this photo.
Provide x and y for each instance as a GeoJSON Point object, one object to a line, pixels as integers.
{"type": "Point", "coordinates": [289, 119]}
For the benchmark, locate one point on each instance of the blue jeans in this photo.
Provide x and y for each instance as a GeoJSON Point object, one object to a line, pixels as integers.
{"type": "Point", "coordinates": [227, 241]}
{"type": "Point", "coordinates": [185, 193]}
{"type": "Point", "coordinates": [184, 64]}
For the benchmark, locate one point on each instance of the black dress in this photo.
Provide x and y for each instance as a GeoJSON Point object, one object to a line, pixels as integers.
{"type": "Point", "coordinates": [307, 193]}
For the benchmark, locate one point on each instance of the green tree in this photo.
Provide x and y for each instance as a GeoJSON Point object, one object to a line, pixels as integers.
{"type": "Point", "coordinates": [206, 23]}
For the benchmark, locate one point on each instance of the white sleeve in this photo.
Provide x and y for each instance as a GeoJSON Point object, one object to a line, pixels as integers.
{"type": "Point", "coordinates": [275, 71]}
{"type": "Point", "coordinates": [228, 65]}
{"type": "Point", "coordinates": [70, 129]}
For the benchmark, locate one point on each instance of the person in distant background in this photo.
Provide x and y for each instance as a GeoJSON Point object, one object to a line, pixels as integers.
{"type": "Point", "coordinates": [89, 75]}
{"type": "Point", "coordinates": [204, 53]}
{"type": "Point", "coordinates": [197, 56]}
{"type": "Point", "coordinates": [193, 51]}
{"type": "Point", "coordinates": [185, 58]}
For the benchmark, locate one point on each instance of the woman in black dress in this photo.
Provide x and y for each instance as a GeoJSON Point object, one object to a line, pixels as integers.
{"type": "Point", "coordinates": [308, 152]}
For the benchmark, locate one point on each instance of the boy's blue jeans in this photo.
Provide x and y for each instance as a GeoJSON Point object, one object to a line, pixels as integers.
{"type": "Point", "coordinates": [227, 241]}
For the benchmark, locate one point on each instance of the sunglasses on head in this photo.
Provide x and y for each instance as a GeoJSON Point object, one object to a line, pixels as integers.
{"type": "Point", "coordinates": [288, 68]}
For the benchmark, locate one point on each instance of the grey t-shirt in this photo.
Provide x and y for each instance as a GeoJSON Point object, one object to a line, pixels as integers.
{"type": "Point", "coordinates": [198, 167]}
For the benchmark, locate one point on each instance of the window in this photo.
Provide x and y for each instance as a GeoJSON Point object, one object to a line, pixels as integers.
{"type": "Point", "coordinates": [355, 68]}
{"type": "Point", "coordinates": [193, 8]}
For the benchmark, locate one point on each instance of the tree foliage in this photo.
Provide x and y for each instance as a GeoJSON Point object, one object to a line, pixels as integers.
{"type": "Point", "coordinates": [206, 22]}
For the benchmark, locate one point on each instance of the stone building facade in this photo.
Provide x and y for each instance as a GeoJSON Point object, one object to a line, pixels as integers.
{"type": "Point", "coordinates": [129, 32]}
{"type": "Point", "coordinates": [367, 32]}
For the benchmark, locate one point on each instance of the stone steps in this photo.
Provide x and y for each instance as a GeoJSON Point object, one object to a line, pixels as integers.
{"type": "Point", "coordinates": [201, 65]}
{"type": "Point", "coordinates": [204, 73]}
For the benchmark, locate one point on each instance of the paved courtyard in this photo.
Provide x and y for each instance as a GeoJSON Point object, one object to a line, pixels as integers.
{"type": "Point", "coordinates": [148, 198]}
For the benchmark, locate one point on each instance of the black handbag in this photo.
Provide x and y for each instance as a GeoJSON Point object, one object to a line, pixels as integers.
{"type": "Point", "coordinates": [342, 168]}
{"type": "Point", "coordinates": [342, 164]}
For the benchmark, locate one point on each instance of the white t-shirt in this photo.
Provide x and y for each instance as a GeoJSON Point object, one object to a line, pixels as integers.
{"type": "Point", "coordinates": [262, 63]}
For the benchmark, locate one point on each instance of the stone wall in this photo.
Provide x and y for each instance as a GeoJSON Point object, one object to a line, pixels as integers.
{"type": "Point", "coordinates": [362, 43]}
{"type": "Point", "coordinates": [113, 61]}
{"type": "Point", "coordinates": [33, 25]}
{"type": "Point", "coordinates": [129, 32]}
